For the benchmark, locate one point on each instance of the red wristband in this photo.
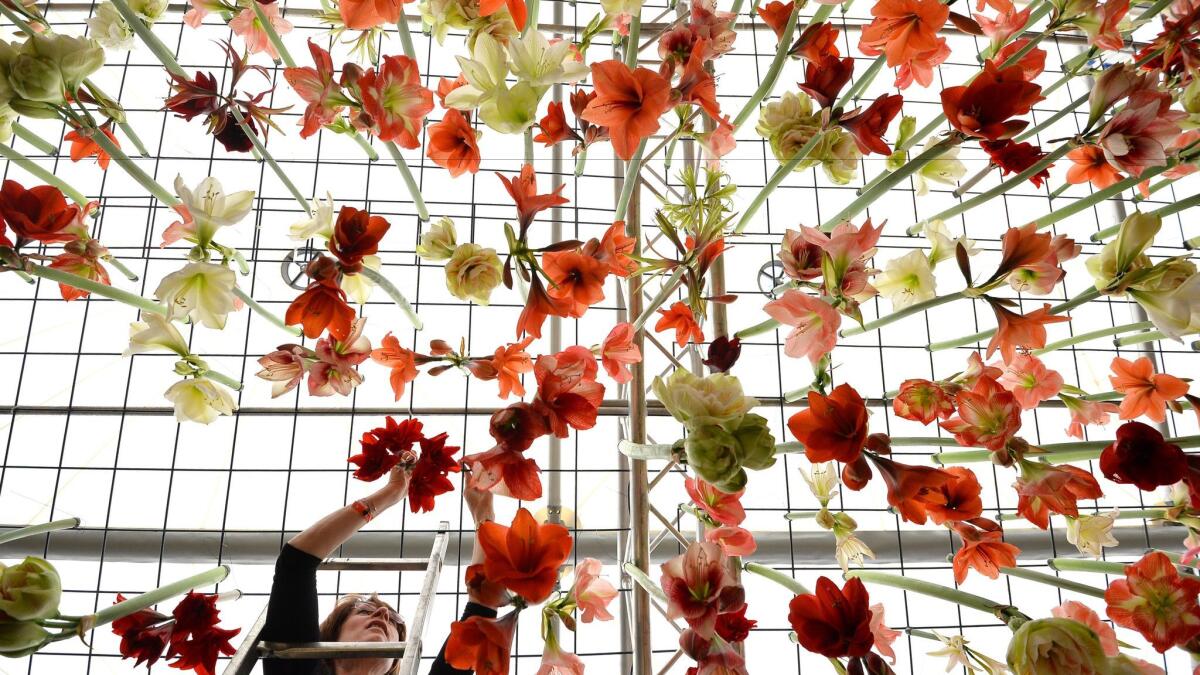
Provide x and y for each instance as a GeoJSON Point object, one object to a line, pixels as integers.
{"type": "Point", "coordinates": [364, 509]}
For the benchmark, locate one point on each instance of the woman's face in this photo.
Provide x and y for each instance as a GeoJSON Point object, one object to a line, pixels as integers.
{"type": "Point", "coordinates": [370, 622]}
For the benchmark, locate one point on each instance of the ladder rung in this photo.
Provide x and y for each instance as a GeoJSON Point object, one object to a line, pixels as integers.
{"type": "Point", "coordinates": [329, 650]}
{"type": "Point", "coordinates": [376, 564]}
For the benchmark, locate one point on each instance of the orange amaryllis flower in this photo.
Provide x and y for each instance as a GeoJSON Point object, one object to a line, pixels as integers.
{"type": "Point", "coordinates": [317, 88]}
{"type": "Point", "coordinates": [525, 556]}
{"type": "Point", "coordinates": [697, 85]}
{"type": "Point", "coordinates": [505, 471]}
{"type": "Point", "coordinates": [985, 551]}
{"type": "Point", "coordinates": [984, 107]}
{"type": "Point", "coordinates": [1146, 392]}
{"type": "Point", "coordinates": [816, 41]}
{"type": "Point", "coordinates": [1091, 166]}
{"type": "Point", "coordinates": [832, 427]}
{"type": "Point", "coordinates": [568, 394]}
{"type": "Point", "coordinates": [912, 489]}
{"type": "Point", "coordinates": [523, 190]}
{"type": "Point", "coordinates": [538, 305]}
{"type": "Point", "coordinates": [510, 362]}
{"type": "Point", "coordinates": [1157, 601]}
{"type": "Point", "coordinates": [516, 9]}
{"type": "Point", "coordinates": [680, 318]}
{"type": "Point", "coordinates": [613, 249]}
{"type": "Point", "coordinates": [1032, 63]}
{"type": "Point", "coordinates": [368, 14]}
{"type": "Point", "coordinates": [85, 266]}
{"type": "Point", "coordinates": [1043, 488]}
{"type": "Point", "coordinates": [482, 645]}
{"type": "Point", "coordinates": [617, 352]}
{"type": "Point", "coordinates": [904, 29]}
{"type": "Point", "coordinates": [85, 146]}
{"type": "Point", "coordinates": [869, 126]}
{"type": "Point", "coordinates": [723, 507]}
{"type": "Point", "coordinates": [923, 401]}
{"type": "Point", "coordinates": [629, 102]}
{"type": "Point", "coordinates": [322, 306]}
{"type": "Point", "coordinates": [577, 280]}
{"type": "Point", "coordinates": [1020, 330]}
{"type": "Point", "coordinates": [962, 498]}
{"type": "Point", "coordinates": [401, 361]}
{"type": "Point", "coordinates": [988, 415]}
{"type": "Point", "coordinates": [1006, 24]}
{"type": "Point", "coordinates": [775, 14]}
{"type": "Point", "coordinates": [453, 144]}
{"type": "Point", "coordinates": [356, 234]}
{"type": "Point", "coordinates": [553, 128]}
{"type": "Point", "coordinates": [396, 101]}
{"type": "Point", "coordinates": [1030, 381]}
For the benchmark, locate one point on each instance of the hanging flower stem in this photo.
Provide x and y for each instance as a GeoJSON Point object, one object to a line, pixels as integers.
{"type": "Point", "coordinates": [645, 582]}
{"type": "Point", "coordinates": [633, 169]}
{"type": "Point", "coordinates": [658, 300]}
{"type": "Point", "coordinates": [365, 145]}
{"type": "Point", "coordinates": [224, 379]}
{"type": "Point", "coordinates": [967, 185]}
{"type": "Point", "coordinates": [778, 577]}
{"type": "Point", "coordinates": [97, 288]}
{"type": "Point", "coordinates": [1000, 610]}
{"type": "Point", "coordinates": [777, 179]}
{"type": "Point", "coordinates": [263, 311]}
{"type": "Point", "coordinates": [139, 602]}
{"type": "Point", "coordinates": [1086, 296]}
{"type": "Point", "coordinates": [1076, 451]}
{"type": "Point", "coordinates": [406, 41]}
{"type": "Point", "coordinates": [43, 175]}
{"type": "Point", "coordinates": [1051, 580]}
{"type": "Point", "coordinates": [33, 139]}
{"type": "Point", "coordinates": [120, 267]}
{"type": "Point", "coordinates": [135, 172]}
{"type": "Point", "coordinates": [1086, 337]}
{"type": "Point", "coordinates": [863, 82]}
{"type": "Point", "coordinates": [397, 297]}
{"type": "Point", "coordinates": [1168, 210]}
{"type": "Point", "coordinates": [915, 308]}
{"type": "Point", "coordinates": [40, 528]}
{"type": "Point", "coordinates": [757, 329]}
{"type": "Point", "coordinates": [266, 155]}
{"type": "Point", "coordinates": [1004, 187]}
{"type": "Point", "coordinates": [161, 52]}
{"type": "Point", "coordinates": [1140, 338]}
{"type": "Point", "coordinates": [1098, 566]}
{"type": "Point", "coordinates": [580, 162]}
{"type": "Point", "coordinates": [406, 174]}
{"type": "Point", "coordinates": [273, 35]}
{"type": "Point", "coordinates": [646, 451]}
{"type": "Point", "coordinates": [781, 53]}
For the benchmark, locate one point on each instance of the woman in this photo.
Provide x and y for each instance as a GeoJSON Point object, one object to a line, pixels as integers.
{"type": "Point", "coordinates": [292, 609]}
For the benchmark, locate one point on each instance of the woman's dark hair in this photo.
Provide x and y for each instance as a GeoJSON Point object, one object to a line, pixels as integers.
{"type": "Point", "coordinates": [331, 627]}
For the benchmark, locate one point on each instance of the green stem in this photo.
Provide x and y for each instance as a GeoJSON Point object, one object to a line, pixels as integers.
{"type": "Point", "coordinates": [1076, 451]}
{"type": "Point", "coordinates": [1140, 338]}
{"type": "Point", "coordinates": [1051, 580]}
{"type": "Point", "coordinates": [418, 200]}
{"type": "Point", "coordinates": [40, 528]}
{"type": "Point", "coordinates": [1086, 337]}
{"type": "Point", "coordinates": [1098, 566]}
{"type": "Point", "coordinates": [134, 138]}
{"type": "Point", "coordinates": [395, 294]}
{"type": "Point", "coordinates": [580, 162]}
{"type": "Point", "coordinates": [120, 267]}
{"type": "Point", "coordinates": [276, 41]}
{"type": "Point", "coordinates": [778, 577]}
{"type": "Point", "coordinates": [1192, 244]}
{"type": "Point", "coordinates": [151, 598]}
{"type": "Point", "coordinates": [42, 174]}
{"type": "Point", "coordinates": [962, 598]}
{"type": "Point", "coordinates": [796, 394]}
{"type": "Point", "coordinates": [658, 300]}
{"type": "Point", "coordinates": [801, 515]}
{"type": "Point", "coordinates": [17, 20]}
{"type": "Point", "coordinates": [161, 52]}
{"type": "Point", "coordinates": [777, 179]}
{"type": "Point", "coordinates": [644, 581]}
{"type": "Point", "coordinates": [757, 329]}
{"type": "Point", "coordinates": [531, 17]}
{"type": "Point", "coordinates": [529, 146]}
{"type": "Point", "coordinates": [224, 379]}
{"type": "Point", "coordinates": [1152, 189]}
{"type": "Point", "coordinates": [633, 170]}
{"type": "Point", "coordinates": [33, 139]}
{"type": "Point", "coordinates": [912, 309]}
{"type": "Point", "coordinates": [1095, 198]}
{"type": "Point", "coordinates": [646, 451]}
{"type": "Point", "coordinates": [631, 40]}
{"type": "Point", "coordinates": [781, 53]}
{"type": "Point", "coordinates": [965, 187]}
{"type": "Point", "coordinates": [1000, 189]}
{"type": "Point", "coordinates": [263, 311]}
{"type": "Point", "coordinates": [1084, 297]}
{"type": "Point", "coordinates": [406, 41]}
{"type": "Point", "coordinates": [365, 145]}
{"type": "Point", "coordinates": [1168, 210]}
{"type": "Point", "coordinates": [97, 288]}
{"type": "Point", "coordinates": [266, 155]}
{"type": "Point", "coordinates": [863, 82]}
{"type": "Point", "coordinates": [135, 172]}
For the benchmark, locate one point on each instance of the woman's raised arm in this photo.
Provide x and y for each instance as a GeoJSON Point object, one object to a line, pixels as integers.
{"type": "Point", "coordinates": [324, 536]}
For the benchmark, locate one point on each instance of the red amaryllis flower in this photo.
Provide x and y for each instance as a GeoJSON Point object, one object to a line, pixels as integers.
{"type": "Point", "coordinates": [723, 353]}
{"type": "Point", "coordinates": [723, 507]}
{"type": "Point", "coordinates": [568, 393]}
{"type": "Point", "coordinates": [912, 489]}
{"type": "Point", "coordinates": [1043, 488]}
{"type": "Point", "coordinates": [482, 645]}
{"type": "Point", "coordinates": [962, 501]}
{"type": "Point", "coordinates": [699, 587]}
{"type": "Point", "coordinates": [833, 622]}
{"type": "Point", "coordinates": [629, 102]}
{"type": "Point", "coordinates": [195, 613]}
{"type": "Point", "coordinates": [1157, 601]}
{"type": "Point", "coordinates": [196, 640]}
{"type": "Point", "coordinates": [517, 426]}
{"type": "Point", "coordinates": [923, 401]}
{"type": "Point", "coordinates": [40, 213]}
{"type": "Point", "coordinates": [538, 305]}
{"type": "Point", "coordinates": [317, 88]}
{"type": "Point", "coordinates": [618, 352]}
{"type": "Point", "coordinates": [144, 634]}
{"type": "Point", "coordinates": [368, 14]}
{"type": "Point", "coordinates": [817, 40]}
{"type": "Point", "coordinates": [904, 29]}
{"type": "Point", "coordinates": [523, 190]}
{"type": "Point", "coordinates": [984, 107]}
{"type": "Point", "coordinates": [1091, 166]}
{"type": "Point", "coordinates": [385, 447]}
{"type": "Point", "coordinates": [775, 14]}
{"type": "Point", "coordinates": [453, 144]}
{"type": "Point", "coordinates": [734, 626]}
{"type": "Point", "coordinates": [356, 234]}
{"type": "Point", "coordinates": [401, 361]}
{"type": "Point", "coordinates": [510, 362]}
{"type": "Point", "coordinates": [1017, 330]}
{"type": "Point", "coordinates": [393, 96]}
{"type": "Point", "coordinates": [505, 472]}
{"type": "Point", "coordinates": [553, 128]}
{"type": "Point", "coordinates": [988, 416]}
{"type": "Point", "coordinates": [697, 85]}
{"type": "Point", "coordinates": [322, 306]}
{"type": "Point", "coordinates": [525, 557]}
{"type": "Point", "coordinates": [86, 266]}
{"type": "Point", "coordinates": [1013, 157]}
{"type": "Point", "coordinates": [983, 550]}
{"type": "Point", "coordinates": [1140, 456]}
{"type": "Point", "coordinates": [833, 427]}
{"type": "Point", "coordinates": [429, 472]}
{"type": "Point", "coordinates": [86, 146]}
{"type": "Point", "coordinates": [680, 318]}
{"type": "Point", "coordinates": [824, 79]}
{"type": "Point", "coordinates": [1146, 392]}
{"type": "Point", "coordinates": [577, 280]}
{"type": "Point", "coordinates": [1032, 63]}
{"type": "Point", "coordinates": [869, 126]}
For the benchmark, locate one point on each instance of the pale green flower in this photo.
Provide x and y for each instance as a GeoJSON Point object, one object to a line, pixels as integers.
{"type": "Point", "coordinates": [697, 402]}
{"type": "Point", "coordinates": [443, 15]}
{"type": "Point", "coordinates": [155, 333]}
{"type": "Point", "coordinates": [850, 549]}
{"type": "Point", "coordinates": [822, 481]}
{"type": "Point", "coordinates": [30, 590]}
{"type": "Point", "coordinates": [907, 280]}
{"type": "Point", "coordinates": [789, 109]}
{"type": "Point", "coordinates": [756, 442]}
{"type": "Point", "coordinates": [534, 60]}
{"type": "Point", "coordinates": [484, 72]}
{"type": "Point", "coordinates": [1176, 311]}
{"type": "Point", "coordinates": [7, 117]}
{"type": "Point", "coordinates": [108, 27]}
{"type": "Point", "coordinates": [148, 10]}
{"type": "Point", "coordinates": [510, 111]}
{"type": "Point", "coordinates": [359, 286]}
{"type": "Point", "coordinates": [201, 291]}
{"type": "Point", "coordinates": [907, 127]}
{"type": "Point", "coordinates": [942, 246]}
{"type": "Point", "coordinates": [199, 399]}
{"type": "Point", "coordinates": [715, 455]}
{"type": "Point", "coordinates": [76, 58]}
{"type": "Point", "coordinates": [210, 208]}
{"type": "Point", "coordinates": [473, 272]}
{"type": "Point", "coordinates": [19, 638]}
{"type": "Point", "coordinates": [1090, 534]}
{"type": "Point", "coordinates": [1126, 253]}
{"type": "Point", "coordinates": [840, 157]}
{"type": "Point", "coordinates": [1056, 647]}
{"type": "Point", "coordinates": [947, 169]}
{"type": "Point", "coordinates": [35, 79]}
{"type": "Point", "coordinates": [439, 241]}
{"type": "Point", "coordinates": [319, 223]}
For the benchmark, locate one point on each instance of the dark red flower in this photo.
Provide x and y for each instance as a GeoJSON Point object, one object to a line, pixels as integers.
{"type": "Point", "coordinates": [428, 478]}
{"type": "Point", "coordinates": [200, 95]}
{"type": "Point", "coordinates": [1140, 456]}
{"type": "Point", "coordinates": [144, 634]}
{"type": "Point", "coordinates": [913, 489]}
{"type": "Point", "coordinates": [195, 614]}
{"type": "Point", "coordinates": [200, 652]}
{"type": "Point", "coordinates": [723, 352]}
{"type": "Point", "coordinates": [356, 234]}
{"type": "Point", "coordinates": [833, 622]}
{"type": "Point", "coordinates": [517, 426]}
{"type": "Point", "coordinates": [984, 107]}
{"type": "Point", "coordinates": [385, 447]}
{"type": "Point", "coordinates": [833, 427]}
{"type": "Point", "coordinates": [505, 472]}
{"type": "Point", "coordinates": [869, 126]}
{"type": "Point", "coordinates": [1013, 157]}
{"type": "Point", "coordinates": [374, 461]}
{"type": "Point", "coordinates": [40, 213]}
{"type": "Point", "coordinates": [231, 135]}
{"type": "Point", "coordinates": [824, 80]}
{"type": "Point", "coordinates": [734, 626]}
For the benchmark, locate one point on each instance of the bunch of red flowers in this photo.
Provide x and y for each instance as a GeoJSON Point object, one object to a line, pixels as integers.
{"type": "Point", "coordinates": [383, 448]}
{"type": "Point", "coordinates": [190, 635]}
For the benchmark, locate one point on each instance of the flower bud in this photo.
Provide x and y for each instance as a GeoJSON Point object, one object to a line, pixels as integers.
{"type": "Point", "coordinates": [19, 638]}
{"type": "Point", "coordinates": [35, 79]}
{"type": "Point", "coordinates": [1115, 83]}
{"type": "Point", "coordinates": [1056, 647]}
{"type": "Point", "coordinates": [30, 590]}
{"type": "Point", "coordinates": [1137, 232]}
{"type": "Point", "coordinates": [879, 443]}
{"type": "Point", "coordinates": [713, 454]}
{"type": "Point", "coordinates": [756, 442]}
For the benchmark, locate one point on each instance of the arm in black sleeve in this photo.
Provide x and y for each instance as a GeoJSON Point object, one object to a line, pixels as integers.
{"type": "Point", "coordinates": [292, 610]}
{"type": "Point", "coordinates": [440, 667]}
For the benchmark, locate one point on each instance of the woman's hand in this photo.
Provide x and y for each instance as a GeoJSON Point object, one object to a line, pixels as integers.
{"type": "Point", "coordinates": [479, 502]}
{"type": "Point", "coordinates": [396, 489]}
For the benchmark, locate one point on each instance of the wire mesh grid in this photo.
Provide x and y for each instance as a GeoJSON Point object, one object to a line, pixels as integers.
{"type": "Point", "coordinates": [88, 434]}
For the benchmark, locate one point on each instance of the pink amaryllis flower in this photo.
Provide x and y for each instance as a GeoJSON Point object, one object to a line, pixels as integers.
{"type": "Point", "coordinates": [592, 594]}
{"type": "Point", "coordinates": [555, 661]}
{"type": "Point", "coordinates": [1137, 137]}
{"type": "Point", "coordinates": [336, 368]}
{"type": "Point", "coordinates": [316, 87]}
{"type": "Point", "coordinates": [1157, 601]}
{"type": "Point", "coordinates": [1030, 381]}
{"type": "Point", "coordinates": [814, 324]}
{"type": "Point", "coordinates": [723, 507]}
{"type": "Point", "coordinates": [284, 368]}
{"type": "Point", "coordinates": [847, 249]}
{"type": "Point", "coordinates": [884, 636]}
{"type": "Point", "coordinates": [699, 586]}
{"type": "Point", "coordinates": [1084, 412]}
{"type": "Point", "coordinates": [988, 416]}
{"type": "Point", "coordinates": [617, 352]}
{"type": "Point", "coordinates": [247, 26]}
{"type": "Point", "coordinates": [733, 540]}
{"type": "Point", "coordinates": [1077, 611]}
{"type": "Point", "coordinates": [396, 101]}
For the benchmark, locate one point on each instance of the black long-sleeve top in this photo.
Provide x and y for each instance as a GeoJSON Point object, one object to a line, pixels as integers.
{"type": "Point", "coordinates": [292, 615]}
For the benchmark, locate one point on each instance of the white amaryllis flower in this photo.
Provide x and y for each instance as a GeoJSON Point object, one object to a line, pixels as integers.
{"type": "Point", "coordinates": [535, 60]}
{"type": "Point", "coordinates": [907, 280]}
{"type": "Point", "coordinates": [850, 549]}
{"type": "Point", "coordinates": [156, 333]}
{"type": "Point", "coordinates": [109, 28]}
{"type": "Point", "coordinates": [318, 224]}
{"type": "Point", "coordinates": [205, 210]}
{"type": "Point", "coordinates": [202, 291]}
{"type": "Point", "coordinates": [822, 481]}
{"type": "Point", "coordinates": [942, 245]}
{"type": "Point", "coordinates": [1175, 312]}
{"type": "Point", "coordinates": [439, 241]}
{"type": "Point", "coordinates": [359, 286]}
{"type": "Point", "coordinates": [148, 10]}
{"type": "Point", "coordinates": [947, 169]}
{"type": "Point", "coordinates": [1090, 534]}
{"type": "Point", "coordinates": [484, 71]}
{"type": "Point", "coordinates": [199, 399]}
